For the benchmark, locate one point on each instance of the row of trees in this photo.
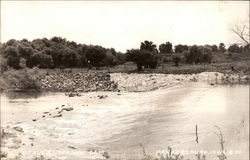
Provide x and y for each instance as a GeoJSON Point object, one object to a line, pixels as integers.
{"type": "Point", "coordinates": [168, 48]}
{"type": "Point", "coordinates": [56, 52]}
{"type": "Point", "coordinates": [147, 56]}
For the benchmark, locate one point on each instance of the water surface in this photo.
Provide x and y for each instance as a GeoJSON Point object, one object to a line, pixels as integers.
{"type": "Point", "coordinates": [119, 123]}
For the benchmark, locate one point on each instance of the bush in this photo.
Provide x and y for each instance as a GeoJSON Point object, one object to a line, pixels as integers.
{"type": "Point", "coordinates": [144, 58]}
{"type": "Point", "coordinates": [176, 59]}
{"type": "Point", "coordinates": [198, 54]}
{"type": "Point", "coordinates": [23, 79]}
{"type": "Point", "coordinates": [234, 48]}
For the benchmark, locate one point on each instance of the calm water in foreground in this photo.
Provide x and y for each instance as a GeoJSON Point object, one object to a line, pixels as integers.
{"type": "Point", "coordinates": [119, 123]}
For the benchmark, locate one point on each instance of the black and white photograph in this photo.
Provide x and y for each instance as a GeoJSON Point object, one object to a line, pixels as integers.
{"type": "Point", "coordinates": [124, 80]}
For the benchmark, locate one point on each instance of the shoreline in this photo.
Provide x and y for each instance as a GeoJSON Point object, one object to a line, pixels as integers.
{"type": "Point", "coordinates": [81, 82]}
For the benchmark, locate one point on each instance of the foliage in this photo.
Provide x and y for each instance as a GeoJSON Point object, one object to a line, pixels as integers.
{"type": "Point", "coordinates": [176, 59]}
{"type": "Point", "coordinates": [142, 58]}
{"type": "Point", "coordinates": [222, 47]}
{"type": "Point", "coordinates": [56, 52]}
{"type": "Point", "coordinates": [166, 48]}
{"type": "Point", "coordinates": [95, 54]}
{"type": "Point", "coordinates": [149, 46]}
{"type": "Point", "coordinates": [180, 48]}
{"type": "Point", "coordinates": [234, 48]}
{"type": "Point", "coordinates": [24, 79]}
{"type": "Point", "coordinates": [198, 54]}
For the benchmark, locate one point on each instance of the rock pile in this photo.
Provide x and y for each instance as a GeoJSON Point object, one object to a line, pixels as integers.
{"type": "Point", "coordinates": [80, 82]}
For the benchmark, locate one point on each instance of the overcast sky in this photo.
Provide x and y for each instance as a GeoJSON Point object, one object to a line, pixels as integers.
{"type": "Point", "coordinates": [123, 24]}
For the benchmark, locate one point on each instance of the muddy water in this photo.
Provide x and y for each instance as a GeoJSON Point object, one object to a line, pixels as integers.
{"type": "Point", "coordinates": [120, 122]}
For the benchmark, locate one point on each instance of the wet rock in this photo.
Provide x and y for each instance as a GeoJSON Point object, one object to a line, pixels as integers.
{"type": "Point", "coordinates": [19, 129]}
{"type": "Point", "coordinates": [102, 96]}
{"type": "Point", "coordinates": [72, 147]}
{"type": "Point", "coordinates": [67, 109]}
{"type": "Point", "coordinates": [59, 115]}
{"type": "Point", "coordinates": [105, 155]}
{"type": "Point", "coordinates": [31, 138]}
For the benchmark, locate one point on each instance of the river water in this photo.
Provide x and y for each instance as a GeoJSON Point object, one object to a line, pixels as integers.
{"type": "Point", "coordinates": [121, 122]}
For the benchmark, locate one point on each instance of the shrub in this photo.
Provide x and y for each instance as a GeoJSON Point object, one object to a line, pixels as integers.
{"type": "Point", "coordinates": [176, 59]}
{"type": "Point", "coordinates": [23, 79]}
{"type": "Point", "coordinates": [198, 54]}
{"type": "Point", "coordinates": [144, 58]}
{"type": "Point", "coordinates": [234, 48]}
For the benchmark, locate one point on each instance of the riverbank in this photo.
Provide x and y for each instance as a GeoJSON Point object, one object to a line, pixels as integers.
{"type": "Point", "coordinates": [82, 81]}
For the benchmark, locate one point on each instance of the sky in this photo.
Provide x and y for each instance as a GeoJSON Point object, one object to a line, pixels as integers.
{"type": "Point", "coordinates": [124, 24]}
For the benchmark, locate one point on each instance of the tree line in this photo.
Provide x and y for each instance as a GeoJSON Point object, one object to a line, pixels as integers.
{"type": "Point", "coordinates": [58, 52]}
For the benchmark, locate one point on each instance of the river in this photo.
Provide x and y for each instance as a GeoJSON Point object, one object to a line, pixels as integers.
{"type": "Point", "coordinates": [121, 122]}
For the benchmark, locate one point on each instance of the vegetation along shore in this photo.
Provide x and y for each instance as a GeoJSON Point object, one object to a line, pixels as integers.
{"type": "Point", "coordinates": [59, 65]}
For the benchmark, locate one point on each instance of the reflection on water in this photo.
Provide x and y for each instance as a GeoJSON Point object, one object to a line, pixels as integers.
{"type": "Point", "coordinates": [23, 95]}
{"type": "Point", "coordinates": [156, 119]}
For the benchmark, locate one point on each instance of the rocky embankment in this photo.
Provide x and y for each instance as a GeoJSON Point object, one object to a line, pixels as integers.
{"type": "Point", "coordinates": [148, 82]}
{"type": "Point", "coordinates": [80, 82]}
{"type": "Point", "coordinates": [99, 81]}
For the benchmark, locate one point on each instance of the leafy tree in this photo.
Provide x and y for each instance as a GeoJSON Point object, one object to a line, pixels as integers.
{"type": "Point", "coordinates": [41, 60]}
{"type": "Point", "coordinates": [247, 48]}
{"type": "Point", "coordinates": [215, 48]}
{"type": "Point", "coordinates": [176, 59]}
{"type": "Point", "coordinates": [3, 64]}
{"type": "Point", "coordinates": [234, 48]}
{"type": "Point", "coordinates": [180, 48]}
{"type": "Point", "coordinates": [142, 58]}
{"type": "Point", "coordinates": [166, 48]}
{"type": "Point", "coordinates": [22, 63]}
{"type": "Point", "coordinates": [24, 51]}
{"type": "Point", "coordinates": [95, 54]}
{"type": "Point", "coordinates": [207, 54]}
{"type": "Point", "coordinates": [194, 55]}
{"type": "Point", "coordinates": [68, 58]}
{"type": "Point", "coordinates": [149, 46]}
{"type": "Point", "coordinates": [13, 58]}
{"type": "Point", "coordinates": [222, 47]}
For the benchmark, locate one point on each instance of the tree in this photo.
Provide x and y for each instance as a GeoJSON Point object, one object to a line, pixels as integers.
{"type": "Point", "coordinates": [149, 46]}
{"type": "Point", "coordinates": [41, 60]}
{"type": "Point", "coordinates": [207, 54]}
{"type": "Point", "coordinates": [222, 47]}
{"type": "Point", "coordinates": [194, 55]}
{"type": "Point", "coordinates": [142, 58]}
{"type": "Point", "coordinates": [234, 48]}
{"type": "Point", "coordinates": [242, 32]}
{"type": "Point", "coordinates": [95, 54]}
{"type": "Point", "coordinates": [180, 48]}
{"type": "Point", "coordinates": [176, 59]}
{"type": "Point", "coordinates": [166, 48]}
{"type": "Point", "coordinates": [3, 64]}
{"type": "Point", "coordinates": [215, 48]}
{"type": "Point", "coordinates": [68, 58]}
{"type": "Point", "coordinates": [12, 55]}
